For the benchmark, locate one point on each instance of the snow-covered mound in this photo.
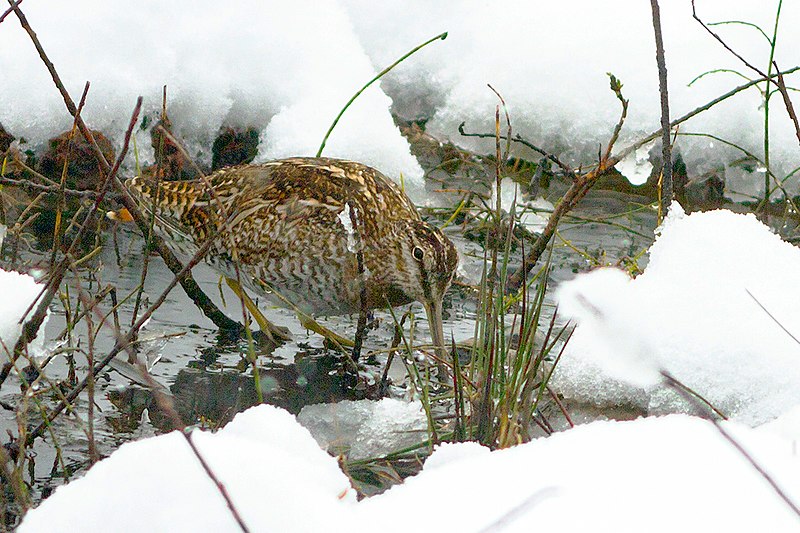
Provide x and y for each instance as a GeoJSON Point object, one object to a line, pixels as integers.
{"type": "Point", "coordinates": [274, 472]}
{"type": "Point", "coordinates": [694, 312]}
{"type": "Point", "coordinates": [549, 61]}
{"type": "Point", "coordinates": [286, 68]}
{"type": "Point", "coordinates": [658, 474]}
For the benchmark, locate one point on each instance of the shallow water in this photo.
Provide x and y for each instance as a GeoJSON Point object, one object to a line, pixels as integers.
{"type": "Point", "coordinates": [207, 374]}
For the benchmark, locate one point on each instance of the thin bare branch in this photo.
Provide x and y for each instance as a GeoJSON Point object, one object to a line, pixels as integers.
{"type": "Point", "coordinates": [8, 11]}
{"type": "Point", "coordinates": [724, 44]}
{"type": "Point", "coordinates": [787, 101]}
{"type": "Point", "coordinates": [220, 487]}
{"type": "Point", "coordinates": [124, 342]}
{"type": "Point", "coordinates": [518, 139]}
{"type": "Point", "coordinates": [53, 189]}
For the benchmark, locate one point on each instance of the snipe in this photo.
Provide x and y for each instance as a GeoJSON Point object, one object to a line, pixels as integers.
{"type": "Point", "coordinates": [297, 226]}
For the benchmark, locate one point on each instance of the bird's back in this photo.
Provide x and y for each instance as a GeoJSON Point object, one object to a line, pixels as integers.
{"type": "Point", "coordinates": [288, 224]}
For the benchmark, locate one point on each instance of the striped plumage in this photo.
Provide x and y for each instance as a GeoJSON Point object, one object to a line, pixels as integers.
{"type": "Point", "coordinates": [288, 221]}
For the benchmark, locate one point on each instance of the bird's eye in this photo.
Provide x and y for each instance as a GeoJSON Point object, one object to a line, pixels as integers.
{"type": "Point", "coordinates": [418, 253]}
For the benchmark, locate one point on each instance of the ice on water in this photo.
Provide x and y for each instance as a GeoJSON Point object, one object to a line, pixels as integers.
{"type": "Point", "coordinates": [365, 429]}
{"type": "Point", "coordinates": [694, 312]}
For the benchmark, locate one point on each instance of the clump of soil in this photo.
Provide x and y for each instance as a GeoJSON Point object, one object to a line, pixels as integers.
{"type": "Point", "coordinates": [83, 170]}
{"type": "Point", "coordinates": [234, 147]}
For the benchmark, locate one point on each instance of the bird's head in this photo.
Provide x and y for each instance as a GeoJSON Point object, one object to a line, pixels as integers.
{"type": "Point", "coordinates": [428, 264]}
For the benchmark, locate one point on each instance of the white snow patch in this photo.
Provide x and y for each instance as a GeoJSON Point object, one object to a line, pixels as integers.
{"type": "Point", "coordinates": [607, 476]}
{"type": "Point", "coordinates": [18, 291]}
{"type": "Point", "coordinates": [786, 425]}
{"type": "Point", "coordinates": [637, 167]}
{"type": "Point", "coordinates": [448, 453]}
{"type": "Point", "coordinates": [623, 350]}
{"type": "Point", "coordinates": [690, 313]}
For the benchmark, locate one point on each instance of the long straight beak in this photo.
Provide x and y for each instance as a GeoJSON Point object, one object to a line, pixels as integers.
{"type": "Point", "coordinates": [434, 311]}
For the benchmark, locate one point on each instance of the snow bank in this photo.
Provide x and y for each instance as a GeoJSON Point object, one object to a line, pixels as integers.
{"type": "Point", "coordinates": [287, 68]}
{"type": "Point", "coordinates": [549, 61]}
{"type": "Point", "coordinates": [658, 474]}
{"type": "Point", "coordinates": [691, 312]}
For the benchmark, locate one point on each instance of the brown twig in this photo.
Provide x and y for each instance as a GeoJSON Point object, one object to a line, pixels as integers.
{"type": "Point", "coordinates": [518, 139]}
{"type": "Point", "coordinates": [616, 87]}
{"type": "Point", "coordinates": [87, 304]}
{"type": "Point", "coordinates": [561, 406]}
{"type": "Point", "coordinates": [725, 45]}
{"type": "Point", "coordinates": [53, 189]}
{"type": "Point", "coordinates": [679, 388]}
{"type": "Point", "coordinates": [62, 198]}
{"type": "Point", "coordinates": [580, 186]}
{"type": "Point", "coordinates": [361, 326]}
{"type": "Point", "coordinates": [148, 237]}
{"type": "Point", "coordinates": [217, 482]}
{"type": "Point", "coordinates": [787, 101]}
